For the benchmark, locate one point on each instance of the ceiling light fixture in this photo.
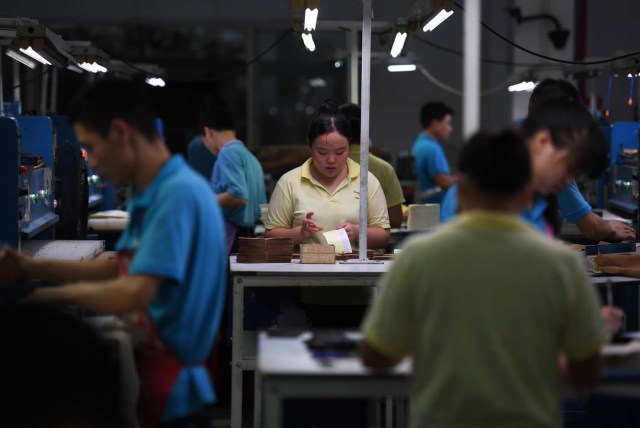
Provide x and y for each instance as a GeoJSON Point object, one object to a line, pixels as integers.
{"type": "Point", "coordinates": [22, 59]}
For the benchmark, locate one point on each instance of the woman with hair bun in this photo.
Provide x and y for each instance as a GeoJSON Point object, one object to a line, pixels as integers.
{"type": "Point", "coordinates": [323, 194]}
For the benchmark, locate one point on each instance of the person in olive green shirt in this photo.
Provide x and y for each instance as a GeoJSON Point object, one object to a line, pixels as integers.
{"type": "Point", "coordinates": [380, 168]}
{"type": "Point", "coordinates": [487, 305]}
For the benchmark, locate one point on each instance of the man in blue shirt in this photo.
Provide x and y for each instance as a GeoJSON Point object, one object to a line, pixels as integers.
{"type": "Point", "coordinates": [431, 164]}
{"type": "Point", "coordinates": [572, 204]}
{"type": "Point", "coordinates": [200, 158]}
{"type": "Point", "coordinates": [171, 264]}
{"type": "Point", "coordinates": [237, 178]}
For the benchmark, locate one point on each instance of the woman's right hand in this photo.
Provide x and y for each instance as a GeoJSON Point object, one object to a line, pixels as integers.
{"type": "Point", "coordinates": [309, 227]}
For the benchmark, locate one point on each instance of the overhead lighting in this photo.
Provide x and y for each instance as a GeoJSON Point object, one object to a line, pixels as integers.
{"type": "Point", "coordinates": [43, 45]}
{"type": "Point", "coordinates": [395, 68]}
{"type": "Point", "coordinates": [527, 86]}
{"type": "Point", "coordinates": [93, 67]}
{"type": "Point", "coordinates": [35, 55]}
{"type": "Point", "coordinates": [398, 43]}
{"type": "Point", "coordinates": [310, 19]}
{"type": "Point", "coordinates": [22, 59]}
{"type": "Point", "coordinates": [436, 20]}
{"type": "Point", "coordinates": [74, 68]}
{"type": "Point", "coordinates": [155, 81]}
{"type": "Point", "coordinates": [307, 39]}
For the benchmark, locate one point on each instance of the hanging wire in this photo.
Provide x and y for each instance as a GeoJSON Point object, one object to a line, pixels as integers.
{"type": "Point", "coordinates": [482, 59]}
{"type": "Point", "coordinates": [505, 83]}
{"type": "Point", "coordinates": [33, 79]}
{"type": "Point", "coordinates": [539, 55]}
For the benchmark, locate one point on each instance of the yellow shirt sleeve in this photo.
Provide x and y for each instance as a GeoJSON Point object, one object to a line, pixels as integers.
{"type": "Point", "coordinates": [377, 212]}
{"type": "Point", "coordinates": [391, 186]}
{"type": "Point", "coordinates": [585, 331]}
{"type": "Point", "coordinates": [388, 325]}
{"type": "Point", "coordinates": [280, 214]}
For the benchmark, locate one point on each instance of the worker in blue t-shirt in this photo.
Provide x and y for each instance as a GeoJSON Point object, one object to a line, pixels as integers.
{"type": "Point", "coordinates": [237, 178]}
{"type": "Point", "coordinates": [570, 201]}
{"type": "Point", "coordinates": [170, 269]}
{"type": "Point", "coordinates": [431, 165]}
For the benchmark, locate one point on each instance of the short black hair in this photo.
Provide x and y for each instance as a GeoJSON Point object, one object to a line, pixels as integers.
{"type": "Point", "coordinates": [498, 164]}
{"type": "Point", "coordinates": [571, 127]}
{"type": "Point", "coordinates": [217, 116]}
{"type": "Point", "coordinates": [434, 111]}
{"type": "Point", "coordinates": [99, 103]}
{"type": "Point", "coordinates": [353, 113]}
{"type": "Point", "coordinates": [326, 120]}
{"type": "Point", "coordinates": [552, 90]}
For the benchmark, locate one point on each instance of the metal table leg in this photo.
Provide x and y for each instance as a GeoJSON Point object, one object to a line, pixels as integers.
{"type": "Point", "coordinates": [236, 352]}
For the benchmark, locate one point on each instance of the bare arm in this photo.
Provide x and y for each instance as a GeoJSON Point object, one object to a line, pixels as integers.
{"type": "Point", "coordinates": [227, 201]}
{"type": "Point", "coordinates": [395, 216]}
{"type": "Point", "coordinates": [372, 358]}
{"type": "Point", "coordinates": [376, 236]}
{"type": "Point", "coordinates": [595, 228]}
{"type": "Point", "coordinates": [444, 180]}
{"type": "Point", "coordinates": [123, 294]}
{"type": "Point", "coordinates": [57, 271]}
{"type": "Point", "coordinates": [298, 233]}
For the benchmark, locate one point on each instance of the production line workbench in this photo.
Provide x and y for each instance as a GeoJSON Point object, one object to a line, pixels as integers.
{"type": "Point", "coordinates": [244, 343]}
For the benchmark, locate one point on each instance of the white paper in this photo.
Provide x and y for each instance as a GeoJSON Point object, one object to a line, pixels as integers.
{"type": "Point", "coordinates": [339, 239]}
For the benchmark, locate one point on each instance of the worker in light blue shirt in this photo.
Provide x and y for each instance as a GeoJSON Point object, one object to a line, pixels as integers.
{"type": "Point", "coordinates": [237, 178]}
{"type": "Point", "coordinates": [200, 158]}
{"type": "Point", "coordinates": [431, 165]}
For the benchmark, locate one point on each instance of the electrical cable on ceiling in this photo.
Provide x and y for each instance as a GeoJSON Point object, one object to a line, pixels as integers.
{"type": "Point", "coordinates": [539, 55]}
{"type": "Point", "coordinates": [33, 79]}
{"type": "Point", "coordinates": [482, 59]}
{"type": "Point", "coordinates": [505, 83]}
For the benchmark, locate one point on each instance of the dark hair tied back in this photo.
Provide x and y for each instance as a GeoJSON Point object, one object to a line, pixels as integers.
{"type": "Point", "coordinates": [328, 119]}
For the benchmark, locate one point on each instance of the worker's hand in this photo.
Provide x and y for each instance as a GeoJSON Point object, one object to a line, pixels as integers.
{"type": "Point", "coordinates": [353, 230]}
{"type": "Point", "coordinates": [613, 318]}
{"type": "Point", "coordinates": [309, 226]}
{"type": "Point", "coordinates": [619, 231]}
{"type": "Point", "coordinates": [13, 265]}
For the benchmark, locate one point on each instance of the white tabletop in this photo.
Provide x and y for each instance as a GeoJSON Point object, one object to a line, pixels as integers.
{"type": "Point", "coordinates": [290, 356]}
{"type": "Point", "coordinates": [296, 268]}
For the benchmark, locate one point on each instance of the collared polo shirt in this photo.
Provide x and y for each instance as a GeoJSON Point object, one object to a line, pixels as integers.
{"type": "Point", "coordinates": [298, 193]}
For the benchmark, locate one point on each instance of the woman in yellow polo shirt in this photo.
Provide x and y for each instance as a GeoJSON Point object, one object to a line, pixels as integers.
{"type": "Point", "coordinates": [323, 193]}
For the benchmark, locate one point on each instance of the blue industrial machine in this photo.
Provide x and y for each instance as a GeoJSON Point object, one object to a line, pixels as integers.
{"type": "Point", "coordinates": [623, 177]}
{"type": "Point", "coordinates": [66, 135]}
{"type": "Point", "coordinates": [26, 179]}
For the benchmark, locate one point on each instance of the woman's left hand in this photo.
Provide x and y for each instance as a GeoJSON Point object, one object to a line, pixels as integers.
{"type": "Point", "coordinates": [353, 230]}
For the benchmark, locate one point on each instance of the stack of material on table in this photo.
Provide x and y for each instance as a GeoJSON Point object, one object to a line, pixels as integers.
{"type": "Point", "coordinates": [317, 253]}
{"type": "Point", "coordinates": [265, 250]}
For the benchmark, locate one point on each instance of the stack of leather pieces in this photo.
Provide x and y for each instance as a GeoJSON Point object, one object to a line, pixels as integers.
{"type": "Point", "coordinates": [265, 250]}
{"type": "Point", "coordinates": [619, 264]}
{"type": "Point", "coordinates": [354, 255]}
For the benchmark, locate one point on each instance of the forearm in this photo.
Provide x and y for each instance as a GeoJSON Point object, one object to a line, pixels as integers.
{"type": "Point", "coordinates": [227, 201]}
{"type": "Point", "coordinates": [377, 237]}
{"type": "Point", "coordinates": [119, 295]}
{"type": "Point", "coordinates": [293, 233]}
{"type": "Point", "coordinates": [60, 271]}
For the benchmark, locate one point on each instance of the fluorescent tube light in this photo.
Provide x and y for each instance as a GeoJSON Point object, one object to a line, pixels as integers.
{"type": "Point", "coordinates": [35, 55]}
{"type": "Point", "coordinates": [522, 86]}
{"type": "Point", "coordinates": [93, 67]}
{"type": "Point", "coordinates": [310, 19]}
{"type": "Point", "coordinates": [394, 68]}
{"type": "Point", "coordinates": [307, 39]}
{"type": "Point", "coordinates": [155, 81]}
{"type": "Point", "coordinates": [438, 19]}
{"type": "Point", "coordinates": [22, 59]}
{"type": "Point", "coordinates": [74, 68]}
{"type": "Point", "coordinates": [398, 44]}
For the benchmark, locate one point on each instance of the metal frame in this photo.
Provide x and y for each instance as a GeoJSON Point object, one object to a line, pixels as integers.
{"type": "Point", "coordinates": [352, 275]}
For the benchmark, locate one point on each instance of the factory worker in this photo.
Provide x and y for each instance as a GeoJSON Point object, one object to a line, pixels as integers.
{"type": "Point", "coordinates": [485, 305]}
{"type": "Point", "coordinates": [323, 194]}
{"type": "Point", "coordinates": [171, 264]}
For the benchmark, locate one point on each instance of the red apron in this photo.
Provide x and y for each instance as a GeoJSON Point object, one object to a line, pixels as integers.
{"type": "Point", "coordinates": [158, 368]}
